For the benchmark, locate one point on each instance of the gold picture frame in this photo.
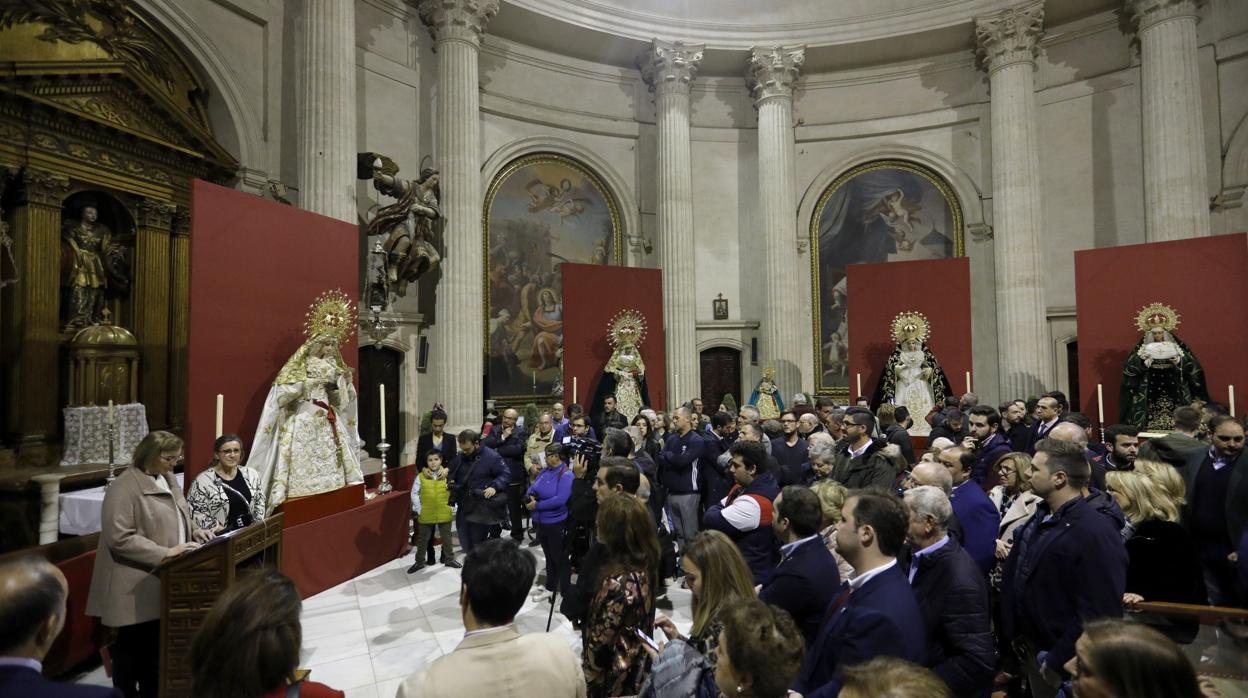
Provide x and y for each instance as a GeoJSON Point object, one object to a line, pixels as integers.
{"type": "Point", "coordinates": [877, 211]}
{"type": "Point", "coordinates": [541, 210]}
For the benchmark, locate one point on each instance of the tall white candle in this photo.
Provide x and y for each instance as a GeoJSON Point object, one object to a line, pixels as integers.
{"type": "Point", "coordinates": [858, 379]}
{"type": "Point", "coordinates": [535, 380]}
{"type": "Point", "coordinates": [220, 414]}
{"type": "Point", "coordinates": [110, 413]}
{"type": "Point", "coordinates": [1100, 404]}
{"type": "Point", "coordinates": [1230, 389]}
{"type": "Point", "coordinates": [381, 389]}
{"type": "Point", "coordinates": [968, 382]}
{"type": "Point", "coordinates": [573, 389]}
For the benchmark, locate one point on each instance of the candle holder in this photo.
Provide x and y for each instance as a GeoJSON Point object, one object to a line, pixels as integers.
{"type": "Point", "coordinates": [385, 487]}
{"type": "Point", "coordinates": [112, 461]}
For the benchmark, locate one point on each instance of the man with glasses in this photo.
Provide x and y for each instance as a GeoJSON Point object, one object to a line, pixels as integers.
{"type": "Point", "coordinates": [859, 462]}
{"type": "Point", "coordinates": [790, 450]}
{"type": "Point", "coordinates": [1217, 509]}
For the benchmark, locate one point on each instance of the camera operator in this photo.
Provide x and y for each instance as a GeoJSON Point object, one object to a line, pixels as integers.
{"type": "Point", "coordinates": [583, 453]}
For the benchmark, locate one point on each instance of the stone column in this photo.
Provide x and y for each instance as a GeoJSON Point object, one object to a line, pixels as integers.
{"type": "Point", "coordinates": [327, 109]}
{"type": "Point", "coordinates": [152, 265]}
{"type": "Point", "coordinates": [669, 68]}
{"type": "Point", "coordinates": [457, 27]}
{"type": "Point", "coordinates": [37, 247]}
{"type": "Point", "coordinates": [771, 74]}
{"type": "Point", "coordinates": [179, 315]}
{"type": "Point", "coordinates": [1008, 44]}
{"type": "Point", "coordinates": [49, 506]}
{"type": "Point", "coordinates": [1176, 193]}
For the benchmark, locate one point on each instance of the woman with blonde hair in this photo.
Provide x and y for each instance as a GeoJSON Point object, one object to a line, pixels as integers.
{"type": "Point", "coordinates": [1168, 477]}
{"type": "Point", "coordinates": [1162, 561]}
{"type": "Point", "coordinates": [892, 677]}
{"type": "Point", "coordinates": [831, 498]}
{"type": "Point", "coordinates": [719, 578]}
{"type": "Point", "coordinates": [1014, 500]}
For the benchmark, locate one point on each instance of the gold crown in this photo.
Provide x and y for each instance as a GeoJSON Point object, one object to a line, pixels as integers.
{"type": "Point", "coordinates": [1156, 315]}
{"type": "Point", "coordinates": [332, 315]}
{"type": "Point", "coordinates": [769, 373]}
{"type": "Point", "coordinates": [910, 325]}
{"type": "Point", "coordinates": [630, 321]}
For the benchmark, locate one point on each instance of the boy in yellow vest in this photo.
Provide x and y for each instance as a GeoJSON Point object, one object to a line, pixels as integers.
{"type": "Point", "coordinates": [432, 505]}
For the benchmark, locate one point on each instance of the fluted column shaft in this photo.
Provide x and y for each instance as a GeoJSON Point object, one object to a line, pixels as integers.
{"type": "Point", "coordinates": [456, 26]}
{"type": "Point", "coordinates": [670, 68]}
{"type": "Point", "coordinates": [179, 315]}
{"type": "Point", "coordinates": [152, 293]}
{"type": "Point", "coordinates": [1008, 43]}
{"type": "Point", "coordinates": [771, 74]}
{"type": "Point", "coordinates": [327, 109]}
{"type": "Point", "coordinates": [1176, 197]}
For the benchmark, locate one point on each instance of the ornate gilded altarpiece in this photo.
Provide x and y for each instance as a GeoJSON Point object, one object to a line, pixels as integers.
{"type": "Point", "coordinates": [541, 210]}
{"type": "Point", "coordinates": [879, 211]}
{"type": "Point", "coordinates": [95, 100]}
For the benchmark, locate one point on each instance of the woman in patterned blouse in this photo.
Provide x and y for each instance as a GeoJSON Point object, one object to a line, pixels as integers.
{"type": "Point", "coordinates": [718, 577]}
{"type": "Point", "coordinates": [614, 660]}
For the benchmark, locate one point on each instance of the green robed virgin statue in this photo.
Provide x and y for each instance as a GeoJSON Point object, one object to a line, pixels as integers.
{"type": "Point", "coordinates": [1161, 373]}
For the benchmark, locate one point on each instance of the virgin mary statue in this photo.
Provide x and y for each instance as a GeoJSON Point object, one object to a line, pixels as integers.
{"type": "Point", "coordinates": [307, 441]}
{"type": "Point", "coordinates": [912, 376]}
{"type": "Point", "coordinates": [624, 376]}
{"type": "Point", "coordinates": [1161, 374]}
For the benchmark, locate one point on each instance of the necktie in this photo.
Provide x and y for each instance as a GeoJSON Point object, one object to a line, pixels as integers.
{"type": "Point", "coordinates": [838, 602]}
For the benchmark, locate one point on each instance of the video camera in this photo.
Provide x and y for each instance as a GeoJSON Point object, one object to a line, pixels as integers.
{"type": "Point", "coordinates": [584, 446]}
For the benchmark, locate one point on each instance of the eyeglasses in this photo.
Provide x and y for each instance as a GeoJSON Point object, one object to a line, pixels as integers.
{"type": "Point", "coordinates": [171, 459]}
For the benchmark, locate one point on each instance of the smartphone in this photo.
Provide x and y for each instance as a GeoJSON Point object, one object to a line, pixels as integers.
{"type": "Point", "coordinates": [647, 639]}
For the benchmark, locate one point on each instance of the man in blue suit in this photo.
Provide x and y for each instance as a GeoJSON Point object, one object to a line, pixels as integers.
{"type": "Point", "coordinates": [1068, 566]}
{"type": "Point", "coordinates": [32, 613]}
{"type": "Point", "coordinates": [806, 580]}
{"type": "Point", "coordinates": [976, 513]}
{"type": "Point", "coordinates": [873, 614]}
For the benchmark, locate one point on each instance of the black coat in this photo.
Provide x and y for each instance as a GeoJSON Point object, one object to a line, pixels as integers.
{"type": "Point", "coordinates": [716, 479]}
{"type": "Point", "coordinates": [896, 434]}
{"type": "Point", "coordinates": [424, 445]}
{"type": "Point", "coordinates": [953, 598]}
{"type": "Point", "coordinates": [512, 451]}
{"type": "Point", "coordinates": [1164, 566]}
{"type": "Point", "coordinates": [1060, 574]}
{"type": "Point", "coordinates": [472, 475]}
{"type": "Point", "coordinates": [804, 583]}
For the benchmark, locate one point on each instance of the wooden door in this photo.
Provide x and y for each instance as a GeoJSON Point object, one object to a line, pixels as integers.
{"type": "Point", "coordinates": [721, 375]}
{"type": "Point", "coordinates": [378, 366]}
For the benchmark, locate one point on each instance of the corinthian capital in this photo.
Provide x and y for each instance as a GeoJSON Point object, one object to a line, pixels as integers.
{"type": "Point", "coordinates": [1010, 36]}
{"type": "Point", "coordinates": [1146, 13]}
{"type": "Point", "coordinates": [43, 188]}
{"type": "Point", "coordinates": [463, 20]}
{"type": "Point", "coordinates": [154, 213]}
{"type": "Point", "coordinates": [773, 70]}
{"type": "Point", "coordinates": [670, 66]}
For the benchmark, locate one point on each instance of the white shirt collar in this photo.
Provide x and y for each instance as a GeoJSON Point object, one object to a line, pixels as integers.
{"type": "Point", "coordinates": [22, 662]}
{"type": "Point", "coordinates": [855, 452]}
{"type": "Point", "coordinates": [857, 582]}
{"type": "Point", "coordinates": [788, 548]}
{"type": "Point", "coordinates": [494, 629]}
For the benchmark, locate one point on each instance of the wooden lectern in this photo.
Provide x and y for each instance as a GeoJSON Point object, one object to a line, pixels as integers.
{"type": "Point", "coordinates": [191, 583]}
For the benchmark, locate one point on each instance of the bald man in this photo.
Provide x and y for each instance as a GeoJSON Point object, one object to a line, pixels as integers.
{"type": "Point", "coordinates": [32, 613]}
{"type": "Point", "coordinates": [1069, 431]}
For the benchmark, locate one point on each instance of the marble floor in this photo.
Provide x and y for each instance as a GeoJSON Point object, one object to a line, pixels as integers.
{"type": "Point", "coordinates": [366, 635]}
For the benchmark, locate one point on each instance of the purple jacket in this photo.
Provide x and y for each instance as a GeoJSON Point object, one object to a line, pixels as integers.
{"type": "Point", "coordinates": [552, 489]}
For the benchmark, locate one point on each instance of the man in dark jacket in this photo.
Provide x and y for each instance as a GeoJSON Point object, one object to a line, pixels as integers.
{"type": "Point", "coordinates": [986, 442]}
{"type": "Point", "coordinates": [975, 511]}
{"type": "Point", "coordinates": [952, 596]}
{"type": "Point", "coordinates": [479, 476]}
{"type": "Point", "coordinates": [859, 463]}
{"type": "Point", "coordinates": [1217, 508]}
{"type": "Point", "coordinates": [806, 580]}
{"type": "Point", "coordinates": [874, 614]}
{"type": "Point", "coordinates": [1068, 566]}
{"type": "Point", "coordinates": [678, 472]}
{"type": "Point", "coordinates": [952, 426]}
{"type": "Point", "coordinates": [746, 514]}
{"type": "Point", "coordinates": [1014, 425]}
{"type": "Point", "coordinates": [715, 470]}
{"type": "Point", "coordinates": [895, 422]}
{"type": "Point", "coordinates": [789, 450]}
{"type": "Point", "coordinates": [510, 441]}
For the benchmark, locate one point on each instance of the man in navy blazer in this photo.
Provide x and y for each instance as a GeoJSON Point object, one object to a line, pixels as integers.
{"type": "Point", "coordinates": [975, 511]}
{"type": "Point", "coordinates": [874, 614]}
{"type": "Point", "coordinates": [32, 613]}
{"type": "Point", "coordinates": [1068, 566]}
{"type": "Point", "coordinates": [806, 580]}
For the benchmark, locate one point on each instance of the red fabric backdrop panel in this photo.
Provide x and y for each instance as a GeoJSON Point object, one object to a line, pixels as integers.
{"type": "Point", "coordinates": [592, 295]}
{"type": "Point", "coordinates": [256, 266]}
{"type": "Point", "coordinates": [938, 288]}
{"type": "Point", "coordinates": [1204, 279]}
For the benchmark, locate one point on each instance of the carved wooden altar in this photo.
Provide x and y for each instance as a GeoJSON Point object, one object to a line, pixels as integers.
{"type": "Point", "coordinates": [95, 98]}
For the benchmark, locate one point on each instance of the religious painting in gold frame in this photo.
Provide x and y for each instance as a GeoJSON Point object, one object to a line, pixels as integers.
{"type": "Point", "coordinates": [541, 210]}
{"type": "Point", "coordinates": [879, 211]}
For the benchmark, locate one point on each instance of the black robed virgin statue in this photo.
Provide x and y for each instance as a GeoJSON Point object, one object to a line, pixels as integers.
{"type": "Point", "coordinates": [1161, 374]}
{"type": "Point", "coordinates": [912, 376]}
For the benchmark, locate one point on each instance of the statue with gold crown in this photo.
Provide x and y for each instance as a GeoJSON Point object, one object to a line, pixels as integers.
{"type": "Point", "coordinates": [624, 376]}
{"type": "Point", "coordinates": [1161, 373]}
{"type": "Point", "coordinates": [308, 439]}
{"type": "Point", "coordinates": [766, 396]}
{"type": "Point", "coordinates": [912, 376]}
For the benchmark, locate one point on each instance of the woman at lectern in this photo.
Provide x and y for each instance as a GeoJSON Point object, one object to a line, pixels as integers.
{"type": "Point", "coordinates": [226, 496]}
{"type": "Point", "coordinates": [145, 522]}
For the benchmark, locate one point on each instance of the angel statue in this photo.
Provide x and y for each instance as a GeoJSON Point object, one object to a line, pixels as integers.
{"type": "Point", "coordinates": [912, 376]}
{"type": "Point", "coordinates": [766, 396]}
{"type": "Point", "coordinates": [410, 227]}
{"type": "Point", "coordinates": [624, 376]}
{"type": "Point", "coordinates": [307, 441]}
{"type": "Point", "coordinates": [1161, 373]}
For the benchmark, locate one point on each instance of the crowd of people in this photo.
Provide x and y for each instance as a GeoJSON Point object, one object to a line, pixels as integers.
{"type": "Point", "coordinates": [824, 555]}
